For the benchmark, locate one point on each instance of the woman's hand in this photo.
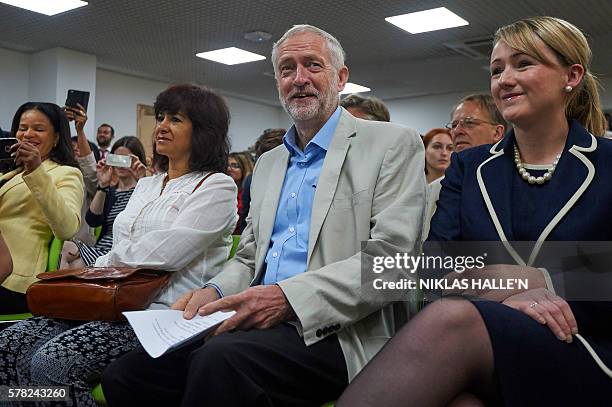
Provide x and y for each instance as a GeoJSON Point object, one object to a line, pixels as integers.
{"type": "Point", "coordinates": [27, 154]}
{"type": "Point", "coordinates": [548, 309]}
{"type": "Point", "coordinates": [138, 169]}
{"type": "Point", "coordinates": [104, 173]}
{"type": "Point", "coordinates": [78, 114]}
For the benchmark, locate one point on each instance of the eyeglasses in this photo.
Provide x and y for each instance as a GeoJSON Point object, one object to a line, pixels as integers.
{"type": "Point", "coordinates": [467, 123]}
{"type": "Point", "coordinates": [235, 166]}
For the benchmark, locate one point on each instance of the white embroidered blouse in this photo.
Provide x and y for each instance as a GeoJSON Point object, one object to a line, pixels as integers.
{"type": "Point", "coordinates": [188, 234]}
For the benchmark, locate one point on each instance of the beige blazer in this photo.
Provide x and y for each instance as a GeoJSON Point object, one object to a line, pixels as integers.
{"type": "Point", "coordinates": [371, 189]}
{"type": "Point", "coordinates": [33, 208]}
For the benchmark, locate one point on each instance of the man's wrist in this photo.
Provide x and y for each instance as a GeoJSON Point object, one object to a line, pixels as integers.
{"type": "Point", "coordinates": [102, 188]}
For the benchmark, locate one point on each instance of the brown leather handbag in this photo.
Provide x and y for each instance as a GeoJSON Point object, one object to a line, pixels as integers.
{"type": "Point", "coordinates": [95, 293]}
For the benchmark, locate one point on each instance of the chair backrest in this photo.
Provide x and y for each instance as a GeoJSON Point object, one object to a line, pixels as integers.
{"type": "Point", "coordinates": [236, 240]}
{"type": "Point", "coordinates": [55, 250]}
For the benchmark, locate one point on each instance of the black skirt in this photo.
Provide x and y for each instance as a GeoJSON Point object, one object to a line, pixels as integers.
{"type": "Point", "coordinates": [534, 368]}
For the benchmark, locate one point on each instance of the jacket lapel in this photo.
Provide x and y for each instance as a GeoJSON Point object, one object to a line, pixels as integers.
{"type": "Point", "coordinates": [572, 177]}
{"type": "Point", "coordinates": [328, 180]}
{"type": "Point", "coordinates": [494, 178]}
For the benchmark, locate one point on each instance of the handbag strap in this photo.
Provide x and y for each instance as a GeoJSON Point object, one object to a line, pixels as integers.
{"type": "Point", "coordinates": [202, 180]}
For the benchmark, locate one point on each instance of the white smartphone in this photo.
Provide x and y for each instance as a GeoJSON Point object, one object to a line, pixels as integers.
{"type": "Point", "coordinates": [117, 160]}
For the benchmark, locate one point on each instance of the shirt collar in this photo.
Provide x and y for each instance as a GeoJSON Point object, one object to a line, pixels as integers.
{"type": "Point", "coordinates": [322, 139]}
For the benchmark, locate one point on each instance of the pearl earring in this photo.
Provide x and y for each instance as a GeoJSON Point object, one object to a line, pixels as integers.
{"type": "Point", "coordinates": [568, 89]}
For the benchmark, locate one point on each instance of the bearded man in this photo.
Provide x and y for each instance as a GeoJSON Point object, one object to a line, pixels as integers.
{"type": "Point", "coordinates": [303, 327]}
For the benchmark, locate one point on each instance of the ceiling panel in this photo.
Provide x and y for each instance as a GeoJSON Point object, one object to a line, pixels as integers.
{"type": "Point", "coordinates": [159, 39]}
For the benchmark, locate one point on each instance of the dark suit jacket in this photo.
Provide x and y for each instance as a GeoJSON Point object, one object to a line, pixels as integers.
{"type": "Point", "coordinates": [475, 200]}
{"type": "Point", "coordinates": [475, 204]}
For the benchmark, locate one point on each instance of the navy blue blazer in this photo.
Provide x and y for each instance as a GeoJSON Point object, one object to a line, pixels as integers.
{"type": "Point", "coordinates": [475, 202]}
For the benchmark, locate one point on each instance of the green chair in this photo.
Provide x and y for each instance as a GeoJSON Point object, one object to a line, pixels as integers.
{"type": "Point", "coordinates": [98, 395]}
{"type": "Point", "coordinates": [236, 240]}
{"type": "Point", "coordinates": [55, 250]}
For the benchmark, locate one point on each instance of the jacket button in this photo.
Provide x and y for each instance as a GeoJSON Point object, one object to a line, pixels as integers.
{"type": "Point", "coordinates": [325, 330]}
{"type": "Point", "coordinates": [337, 326]}
{"type": "Point", "coordinates": [319, 333]}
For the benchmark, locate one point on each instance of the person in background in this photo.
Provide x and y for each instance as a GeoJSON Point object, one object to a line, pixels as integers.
{"type": "Point", "coordinates": [547, 180]}
{"type": "Point", "coordinates": [368, 108]}
{"type": "Point", "coordinates": [87, 159]}
{"type": "Point", "coordinates": [41, 198]}
{"type": "Point", "coordinates": [438, 150]}
{"type": "Point", "coordinates": [107, 203]}
{"type": "Point", "coordinates": [267, 141]}
{"type": "Point", "coordinates": [475, 120]}
{"type": "Point", "coordinates": [239, 166]}
{"type": "Point", "coordinates": [179, 221]}
{"type": "Point", "coordinates": [104, 137]}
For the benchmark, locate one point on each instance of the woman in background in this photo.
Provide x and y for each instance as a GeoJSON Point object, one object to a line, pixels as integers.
{"type": "Point", "coordinates": [239, 166]}
{"type": "Point", "coordinates": [438, 149]}
{"type": "Point", "coordinates": [107, 203]}
{"type": "Point", "coordinates": [41, 198]}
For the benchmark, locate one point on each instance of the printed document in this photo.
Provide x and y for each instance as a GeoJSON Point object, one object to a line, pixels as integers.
{"type": "Point", "coordinates": [161, 331]}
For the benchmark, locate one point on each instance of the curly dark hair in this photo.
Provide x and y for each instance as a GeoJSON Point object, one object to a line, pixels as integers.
{"type": "Point", "coordinates": [210, 118]}
{"type": "Point", "coordinates": [62, 152]}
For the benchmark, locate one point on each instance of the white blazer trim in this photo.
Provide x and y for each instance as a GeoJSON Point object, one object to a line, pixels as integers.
{"type": "Point", "coordinates": [576, 151]}
{"type": "Point", "coordinates": [491, 209]}
{"type": "Point", "coordinates": [594, 355]}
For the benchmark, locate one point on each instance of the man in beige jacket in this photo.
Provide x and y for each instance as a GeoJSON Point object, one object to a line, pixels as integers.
{"type": "Point", "coordinates": [305, 323]}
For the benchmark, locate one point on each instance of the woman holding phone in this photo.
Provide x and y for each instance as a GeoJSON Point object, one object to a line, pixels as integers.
{"type": "Point", "coordinates": [108, 201]}
{"type": "Point", "coordinates": [40, 198]}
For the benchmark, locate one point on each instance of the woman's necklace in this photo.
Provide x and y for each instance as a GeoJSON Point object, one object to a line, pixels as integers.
{"type": "Point", "coordinates": [527, 176]}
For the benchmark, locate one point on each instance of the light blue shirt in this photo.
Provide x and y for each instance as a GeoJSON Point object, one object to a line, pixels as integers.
{"type": "Point", "coordinates": [288, 250]}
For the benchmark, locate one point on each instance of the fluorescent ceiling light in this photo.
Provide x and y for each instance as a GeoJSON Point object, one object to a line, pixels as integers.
{"type": "Point", "coordinates": [427, 20]}
{"type": "Point", "coordinates": [48, 7]}
{"type": "Point", "coordinates": [231, 56]}
{"type": "Point", "coordinates": [354, 88]}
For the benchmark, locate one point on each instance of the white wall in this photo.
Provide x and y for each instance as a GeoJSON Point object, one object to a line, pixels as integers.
{"type": "Point", "coordinates": [425, 112]}
{"type": "Point", "coordinates": [14, 79]}
{"type": "Point", "coordinates": [118, 94]}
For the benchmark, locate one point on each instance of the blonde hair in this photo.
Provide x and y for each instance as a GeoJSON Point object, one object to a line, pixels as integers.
{"type": "Point", "coordinates": [571, 47]}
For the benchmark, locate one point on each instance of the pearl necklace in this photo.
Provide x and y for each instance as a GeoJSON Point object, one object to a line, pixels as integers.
{"type": "Point", "coordinates": [527, 176]}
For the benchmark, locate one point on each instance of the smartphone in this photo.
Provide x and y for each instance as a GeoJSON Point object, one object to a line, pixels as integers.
{"type": "Point", "coordinates": [77, 96]}
{"type": "Point", "coordinates": [7, 162]}
{"type": "Point", "coordinates": [117, 160]}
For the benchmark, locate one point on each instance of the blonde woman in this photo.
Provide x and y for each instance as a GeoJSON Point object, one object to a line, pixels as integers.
{"type": "Point", "coordinates": [547, 180]}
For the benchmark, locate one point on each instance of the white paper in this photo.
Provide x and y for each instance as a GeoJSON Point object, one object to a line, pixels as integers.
{"type": "Point", "coordinates": [160, 331]}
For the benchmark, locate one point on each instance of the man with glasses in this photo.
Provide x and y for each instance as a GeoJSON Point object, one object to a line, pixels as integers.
{"type": "Point", "coordinates": [475, 121]}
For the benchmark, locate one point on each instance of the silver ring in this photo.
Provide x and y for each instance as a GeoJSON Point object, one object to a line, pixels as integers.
{"type": "Point", "coordinates": [533, 304]}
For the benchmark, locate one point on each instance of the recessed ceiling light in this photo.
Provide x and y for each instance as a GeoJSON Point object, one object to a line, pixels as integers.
{"type": "Point", "coordinates": [49, 8]}
{"type": "Point", "coordinates": [427, 20]}
{"type": "Point", "coordinates": [230, 56]}
{"type": "Point", "coordinates": [354, 88]}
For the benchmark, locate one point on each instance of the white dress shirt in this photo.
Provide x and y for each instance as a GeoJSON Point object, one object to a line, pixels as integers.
{"type": "Point", "coordinates": [186, 233]}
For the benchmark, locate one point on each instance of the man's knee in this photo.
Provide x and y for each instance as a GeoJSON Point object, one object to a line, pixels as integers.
{"type": "Point", "coordinates": [217, 353]}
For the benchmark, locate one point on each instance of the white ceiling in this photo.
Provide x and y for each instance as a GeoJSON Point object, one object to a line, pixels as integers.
{"type": "Point", "coordinates": [159, 39]}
